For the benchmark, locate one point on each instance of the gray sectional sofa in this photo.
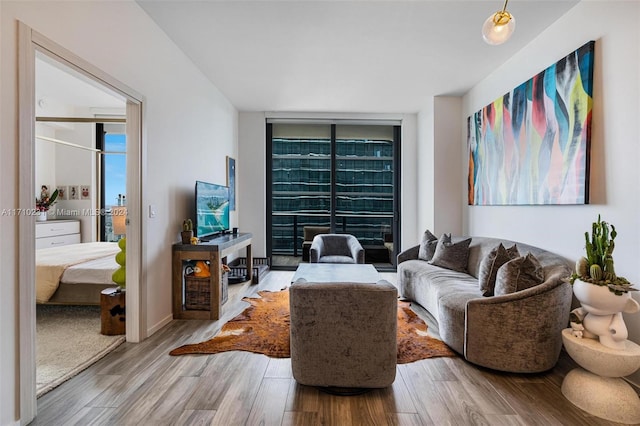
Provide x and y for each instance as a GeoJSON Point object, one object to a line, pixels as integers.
{"type": "Point", "coordinates": [516, 332]}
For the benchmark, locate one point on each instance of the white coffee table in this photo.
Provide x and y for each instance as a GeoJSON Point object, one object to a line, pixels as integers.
{"type": "Point", "coordinates": [336, 272]}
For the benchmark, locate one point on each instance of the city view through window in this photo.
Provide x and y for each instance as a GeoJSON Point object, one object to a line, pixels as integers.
{"type": "Point", "coordinates": [340, 178]}
{"type": "Point", "coordinates": [114, 182]}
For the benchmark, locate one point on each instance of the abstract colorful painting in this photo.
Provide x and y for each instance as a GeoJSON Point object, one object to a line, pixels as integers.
{"type": "Point", "coordinates": [531, 146]}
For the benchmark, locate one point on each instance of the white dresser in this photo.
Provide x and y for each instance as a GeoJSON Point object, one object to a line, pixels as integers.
{"type": "Point", "coordinates": [55, 233]}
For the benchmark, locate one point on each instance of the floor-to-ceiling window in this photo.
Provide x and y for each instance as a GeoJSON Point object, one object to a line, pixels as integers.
{"type": "Point", "coordinates": [112, 143]}
{"type": "Point", "coordinates": [339, 178]}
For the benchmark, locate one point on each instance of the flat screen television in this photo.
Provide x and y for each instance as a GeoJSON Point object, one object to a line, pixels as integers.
{"type": "Point", "coordinates": [212, 209]}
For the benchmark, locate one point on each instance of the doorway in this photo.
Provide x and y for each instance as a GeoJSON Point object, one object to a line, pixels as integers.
{"type": "Point", "coordinates": [31, 43]}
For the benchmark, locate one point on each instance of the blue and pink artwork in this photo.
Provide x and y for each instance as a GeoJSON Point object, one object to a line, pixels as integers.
{"type": "Point", "coordinates": [531, 146]}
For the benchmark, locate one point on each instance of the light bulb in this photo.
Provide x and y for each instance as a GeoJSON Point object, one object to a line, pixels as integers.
{"type": "Point", "coordinates": [498, 27]}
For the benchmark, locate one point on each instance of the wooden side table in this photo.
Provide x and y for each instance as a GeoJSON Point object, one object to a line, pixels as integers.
{"type": "Point", "coordinates": [112, 312]}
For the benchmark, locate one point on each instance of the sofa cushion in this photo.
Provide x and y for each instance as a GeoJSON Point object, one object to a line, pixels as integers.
{"type": "Point", "coordinates": [427, 246]}
{"type": "Point", "coordinates": [450, 255]}
{"type": "Point", "coordinates": [491, 263]}
{"type": "Point", "coordinates": [519, 274]}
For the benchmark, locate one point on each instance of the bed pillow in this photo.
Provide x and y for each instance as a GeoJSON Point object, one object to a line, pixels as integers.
{"type": "Point", "coordinates": [427, 246]}
{"type": "Point", "coordinates": [454, 256]}
{"type": "Point", "coordinates": [519, 274]}
{"type": "Point", "coordinates": [491, 263]}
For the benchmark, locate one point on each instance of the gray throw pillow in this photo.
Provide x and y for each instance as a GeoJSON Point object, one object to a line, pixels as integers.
{"type": "Point", "coordinates": [454, 256]}
{"type": "Point", "coordinates": [427, 246]}
{"type": "Point", "coordinates": [491, 263]}
{"type": "Point", "coordinates": [519, 274]}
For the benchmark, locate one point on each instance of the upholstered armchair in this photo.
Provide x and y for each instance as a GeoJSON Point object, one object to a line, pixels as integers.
{"type": "Point", "coordinates": [336, 248]}
{"type": "Point", "coordinates": [343, 335]}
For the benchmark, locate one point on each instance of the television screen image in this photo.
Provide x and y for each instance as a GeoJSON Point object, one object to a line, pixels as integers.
{"type": "Point", "coordinates": [212, 209]}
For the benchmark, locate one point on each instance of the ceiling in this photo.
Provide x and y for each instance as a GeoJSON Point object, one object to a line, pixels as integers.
{"type": "Point", "coordinates": [321, 55]}
{"type": "Point", "coordinates": [63, 92]}
{"type": "Point", "coordinates": [345, 56]}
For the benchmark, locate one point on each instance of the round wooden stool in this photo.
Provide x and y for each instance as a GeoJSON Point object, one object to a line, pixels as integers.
{"type": "Point", "coordinates": [112, 312]}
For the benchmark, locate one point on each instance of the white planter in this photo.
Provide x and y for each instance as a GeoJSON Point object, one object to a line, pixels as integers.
{"type": "Point", "coordinates": [41, 217]}
{"type": "Point", "coordinates": [602, 313]}
{"type": "Point", "coordinates": [599, 300]}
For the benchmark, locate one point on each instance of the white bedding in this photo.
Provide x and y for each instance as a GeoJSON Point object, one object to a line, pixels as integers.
{"type": "Point", "coordinates": [97, 271]}
{"type": "Point", "coordinates": [52, 262]}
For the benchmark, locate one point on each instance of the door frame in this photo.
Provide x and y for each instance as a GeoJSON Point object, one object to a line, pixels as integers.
{"type": "Point", "coordinates": [30, 41]}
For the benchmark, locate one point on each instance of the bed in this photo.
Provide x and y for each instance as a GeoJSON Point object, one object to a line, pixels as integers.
{"type": "Point", "coordinates": [75, 274]}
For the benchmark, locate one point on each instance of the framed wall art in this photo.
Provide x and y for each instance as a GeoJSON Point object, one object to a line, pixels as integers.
{"type": "Point", "coordinates": [74, 192]}
{"type": "Point", "coordinates": [531, 146]}
{"type": "Point", "coordinates": [231, 182]}
{"type": "Point", "coordinates": [62, 192]}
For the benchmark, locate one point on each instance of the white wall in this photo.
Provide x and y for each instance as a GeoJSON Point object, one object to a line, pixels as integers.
{"type": "Point", "coordinates": [252, 170]}
{"type": "Point", "coordinates": [45, 153]}
{"type": "Point", "coordinates": [251, 173]}
{"type": "Point", "coordinates": [615, 152]}
{"type": "Point", "coordinates": [447, 131]}
{"type": "Point", "coordinates": [189, 129]}
{"type": "Point", "coordinates": [440, 165]}
{"type": "Point", "coordinates": [410, 167]}
{"type": "Point", "coordinates": [77, 167]}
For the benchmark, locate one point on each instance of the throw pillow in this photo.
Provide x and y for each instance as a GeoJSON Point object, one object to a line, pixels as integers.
{"type": "Point", "coordinates": [454, 256]}
{"type": "Point", "coordinates": [427, 246]}
{"type": "Point", "coordinates": [519, 274]}
{"type": "Point", "coordinates": [491, 263]}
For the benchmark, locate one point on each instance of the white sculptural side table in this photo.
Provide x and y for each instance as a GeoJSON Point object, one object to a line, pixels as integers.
{"type": "Point", "coordinates": [597, 387]}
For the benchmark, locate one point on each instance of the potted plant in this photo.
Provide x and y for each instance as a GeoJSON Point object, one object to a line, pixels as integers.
{"type": "Point", "coordinates": [44, 203]}
{"type": "Point", "coordinates": [602, 293]}
{"type": "Point", "coordinates": [187, 231]}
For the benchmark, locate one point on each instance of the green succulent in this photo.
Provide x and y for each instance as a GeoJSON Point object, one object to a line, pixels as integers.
{"type": "Point", "coordinates": [597, 266]}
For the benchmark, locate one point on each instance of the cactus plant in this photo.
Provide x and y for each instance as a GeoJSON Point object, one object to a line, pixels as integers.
{"type": "Point", "coordinates": [187, 231]}
{"type": "Point", "coordinates": [595, 271]}
{"type": "Point", "coordinates": [597, 266]}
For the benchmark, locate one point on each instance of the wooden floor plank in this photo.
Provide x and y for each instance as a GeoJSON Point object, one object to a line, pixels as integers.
{"type": "Point", "coordinates": [268, 407]}
{"type": "Point", "coordinates": [397, 398]}
{"type": "Point", "coordinates": [279, 368]}
{"type": "Point", "coordinates": [298, 418]}
{"type": "Point", "coordinates": [195, 418]}
{"type": "Point", "coordinates": [237, 401]}
{"type": "Point", "coordinates": [301, 398]}
{"type": "Point", "coordinates": [216, 380]}
{"type": "Point", "coordinates": [403, 419]}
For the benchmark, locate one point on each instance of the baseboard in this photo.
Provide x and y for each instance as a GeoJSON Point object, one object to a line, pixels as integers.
{"type": "Point", "coordinates": [159, 325]}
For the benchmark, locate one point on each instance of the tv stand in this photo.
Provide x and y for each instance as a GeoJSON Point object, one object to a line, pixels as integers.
{"type": "Point", "coordinates": [214, 251]}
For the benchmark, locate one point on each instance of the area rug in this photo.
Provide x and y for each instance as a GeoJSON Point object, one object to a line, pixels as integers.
{"type": "Point", "coordinates": [68, 340]}
{"type": "Point", "coordinates": [264, 328]}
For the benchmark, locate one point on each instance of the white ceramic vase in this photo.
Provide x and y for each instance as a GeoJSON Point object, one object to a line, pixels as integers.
{"type": "Point", "coordinates": [603, 312]}
{"type": "Point", "coordinates": [42, 216]}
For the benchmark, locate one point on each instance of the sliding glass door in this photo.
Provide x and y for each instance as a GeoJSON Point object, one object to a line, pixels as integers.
{"type": "Point", "coordinates": [340, 178]}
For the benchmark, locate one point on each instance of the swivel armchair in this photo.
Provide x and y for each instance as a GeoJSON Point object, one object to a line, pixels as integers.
{"type": "Point", "coordinates": [336, 248]}
{"type": "Point", "coordinates": [343, 335]}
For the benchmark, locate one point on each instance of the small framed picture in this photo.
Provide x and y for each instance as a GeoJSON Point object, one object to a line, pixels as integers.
{"type": "Point", "coordinates": [74, 192]}
{"type": "Point", "coordinates": [85, 192]}
{"type": "Point", "coordinates": [62, 192]}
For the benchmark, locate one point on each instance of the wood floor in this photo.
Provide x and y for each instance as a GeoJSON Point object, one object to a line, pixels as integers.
{"type": "Point", "coordinates": [140, 384]}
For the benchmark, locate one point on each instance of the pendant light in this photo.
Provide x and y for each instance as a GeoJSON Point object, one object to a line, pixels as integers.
{"type": "Point", "coordinates": [498, 27]}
